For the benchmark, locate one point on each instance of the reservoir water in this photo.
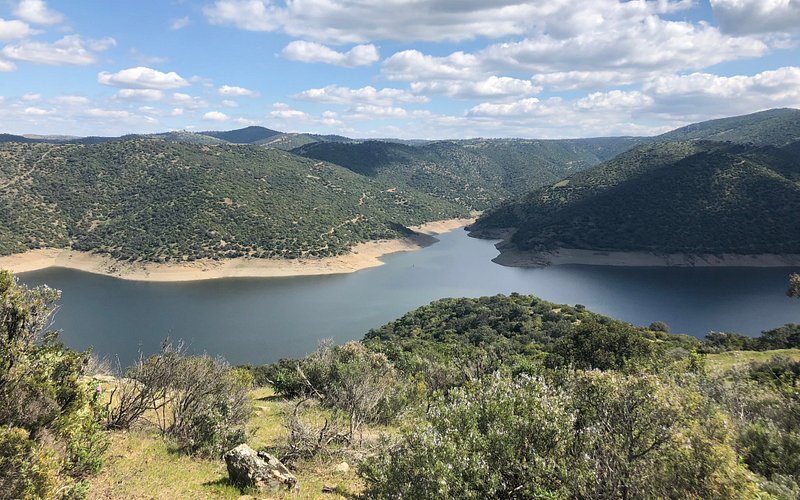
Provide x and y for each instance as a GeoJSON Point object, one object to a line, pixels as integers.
{"type": "Point", "coordinates": [259, 320]}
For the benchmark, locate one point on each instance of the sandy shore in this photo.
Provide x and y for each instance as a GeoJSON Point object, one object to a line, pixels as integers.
{"type": "Point", "coordinates": [363, 256]}
{"type": "Point", "coordinates": [515, 258]}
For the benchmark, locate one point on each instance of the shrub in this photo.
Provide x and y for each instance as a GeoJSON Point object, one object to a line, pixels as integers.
{"type": "Point", "coordinates": [51, 437]}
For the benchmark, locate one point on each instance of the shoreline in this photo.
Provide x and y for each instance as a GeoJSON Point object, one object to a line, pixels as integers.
{"type": "Point", "coordinates": [363, 256]}
{"type": "Point", "coordinates": [565, 256]}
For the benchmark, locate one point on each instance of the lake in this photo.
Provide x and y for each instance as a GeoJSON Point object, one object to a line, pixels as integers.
{"type": "Point", "coordinates": [259, 320]}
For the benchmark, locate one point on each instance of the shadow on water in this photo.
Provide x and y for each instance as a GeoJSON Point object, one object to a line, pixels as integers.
{"type": "Point", "coordinates": [258, 320]}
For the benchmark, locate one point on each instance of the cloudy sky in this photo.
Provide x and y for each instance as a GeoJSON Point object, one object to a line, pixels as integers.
{"type": "Point", "coordinates": [393, 68]}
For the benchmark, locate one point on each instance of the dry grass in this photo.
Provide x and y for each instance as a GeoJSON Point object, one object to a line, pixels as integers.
{"type": "Point", "coordinates": [140, 465]}
{"type": "Point", "coordinates": [725, 361]}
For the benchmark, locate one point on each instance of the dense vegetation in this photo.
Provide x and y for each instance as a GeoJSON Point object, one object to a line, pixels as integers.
{"type": "Point", "coordinates": [476, 173]}
{"type": "Point", "coordinates": [153, 200]}
{"type": "Point", "coordinates": [691, 196]}
{"type": "Point", "coordinates": [516, 397]}
{"type": "Point", "coordinates": [777, 127]}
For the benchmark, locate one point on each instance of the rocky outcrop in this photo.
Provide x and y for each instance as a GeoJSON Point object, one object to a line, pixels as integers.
{"type": "Point", "coordinates": [248, 469]}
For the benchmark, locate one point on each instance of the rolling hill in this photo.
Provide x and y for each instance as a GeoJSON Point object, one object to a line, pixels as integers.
{"type": "Point", "coordinates": [157, 200]}
{"type": "Point", "coordinates": [677, 197]}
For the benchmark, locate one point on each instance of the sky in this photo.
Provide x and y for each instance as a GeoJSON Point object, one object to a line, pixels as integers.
{"type": "Point", "coordinates": [412, 69]}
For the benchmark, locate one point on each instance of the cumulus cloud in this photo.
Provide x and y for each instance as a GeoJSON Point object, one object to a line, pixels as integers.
{"type": "Point", "coordinates": [140, 95]}
{"type": "Point", "coordinates": [216, 116]}
{"type": "Point", "coordinates": [312, 52]}
{"type": "Point", "coordinates": [230, 90]}
{"type": "Point", "coordinates": [37, 12]}
{"type": "Point", "coordinates": [757, 16]}
{"type": "Point", "coordinates": [38, 111]}
{"type": "Point", "coordinates": [70, 50]}
{"type": "Point", "coordinates": [7, 66]}
{"type": "Point", "coordinates": [492, 87]}
{"type": "Point", "coordinates": [704, 94]}
{"type": "Point", "coordinates": [365, 95]}
{"type": "Point", "coordinates": [107, 113]}
{"type": "Point", "coordinates": [11, 30]}
{"type": "Point", "coordinates": [142, 77]}
{"type": "Point", "coordinates": [71, 100]}
{"type": "Point", "coordinates": [614, 100]}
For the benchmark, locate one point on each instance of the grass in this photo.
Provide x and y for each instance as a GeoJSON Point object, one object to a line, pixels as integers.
{"type": "Point", "coordinates": [728, 360]}
{"type": "Point", "coordinates": [141, 465]}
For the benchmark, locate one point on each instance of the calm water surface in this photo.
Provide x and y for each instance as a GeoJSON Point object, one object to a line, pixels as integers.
{"type": "Point", "coordinates": [258, 320]}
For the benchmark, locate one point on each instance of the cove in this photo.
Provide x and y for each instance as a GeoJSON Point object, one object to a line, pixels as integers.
{"type": "Point", "coordinates": [259, 320]}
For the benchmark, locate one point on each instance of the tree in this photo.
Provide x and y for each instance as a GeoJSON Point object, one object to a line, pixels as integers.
{"type": "Point", "coordinates": [794, 286]}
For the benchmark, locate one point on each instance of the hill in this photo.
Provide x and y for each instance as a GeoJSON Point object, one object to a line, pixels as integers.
{"type": "Point", "coordinates": [247, 135]}
{"type": "Point", "coordinates": [477, 173]}
{"type": "Point", "coordinates": [777, 127]}
{"type": "Point", "coordinates": [691, 197]}
{"type": "Point", "coordinates": [156, 200]}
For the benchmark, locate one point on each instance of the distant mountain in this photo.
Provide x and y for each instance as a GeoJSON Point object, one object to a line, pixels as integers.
{"type": "Point", "coordinates": [290, 141]}
{"type": "Point", "coordinates": [156, 200]}
{"type": "Point", "coordinates": [777, 127]}
{"type": "Point", "coordinates": [247, 135]}
{"type": "Point", "coordinates": [676, 197]}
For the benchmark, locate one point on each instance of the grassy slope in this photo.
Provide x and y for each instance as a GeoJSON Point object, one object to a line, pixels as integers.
{"type": "Point", "coordinates": [728, 360]}
{"type": "Point", "coordinates": [140, 465]}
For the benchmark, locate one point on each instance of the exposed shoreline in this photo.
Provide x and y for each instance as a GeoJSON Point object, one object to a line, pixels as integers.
{"type": "Point", "coordinates": [515, 258]}
{"type": "Point", "coordinates": [363, 256]}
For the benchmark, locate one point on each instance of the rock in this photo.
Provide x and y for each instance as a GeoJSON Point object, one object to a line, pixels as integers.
{"type": "Point", "coordinates": [329, 488]}
{"type": "Point", "coordinates": [342, 468]}
{"type": "Point", "coordinates": [246, 468]}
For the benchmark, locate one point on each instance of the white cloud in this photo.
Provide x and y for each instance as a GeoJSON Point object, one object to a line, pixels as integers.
{"type": "Point", "coordinates": [230, 104]}
{"type": "Point", "coordinates": [216, 116]}
{"type": "Point", "coordinates": [284, 111]}
{"type": "Point", "coordinates": [312, 52]}
{"type": "Point", "coordinates": [704, 94]}
{"type": "Point", "coordinates": [7, 66]}
{"type": "Point", "coordinates": [38, 111]}
{"type": "Point", "coordinates": [180, 23]}
{"type": "Point", "coordinates": [142, 77]}
{"type": "Point", "coordinates": [615, 100]}
{"type": "Point", "coordinates": [30, 96]}
{"type": "Point", "coordinates": [140, 94]}
{"type": "Point", "coordinates": [70, 50]}
{"type": "Point", "coordinates": [251, 15]}
{"type": "Point", "coordinates": [71, 100]}
{"type": "Point", "coordinates": [757, 16]}
{"type": "Point", "coordinates": [107, 113]}
{"type": "Point", "coordinates": [230, 90]}
{"type": "Point", "coordinates": [492, 87]}
{"type": "Point", "coordinates": [188, 101]}
{"type": "Point", "coordinates": [37, 12]}
{"type": "Point", "coordinates": [10, 30]}
{"type": "Point", "coordinates": [410, 65]}
{"type": "Point", "coordinates": [335, 94]}
{"type": "Point", "coordinates": [528, 106]}
{"type": "Point", "coordinates": [373, 112]}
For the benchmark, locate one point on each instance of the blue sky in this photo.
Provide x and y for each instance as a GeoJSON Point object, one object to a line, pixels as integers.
{"type": "Point", "coordinates": [392, 68]}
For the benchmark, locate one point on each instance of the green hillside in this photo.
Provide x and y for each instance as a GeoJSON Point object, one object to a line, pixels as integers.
{"type": "Point", "coordinates": [154, 200]}
{"type": "Point", "coordinates": [776, 127]}
{"type": "Point", "coordinates": [476, 173]}
{"type": "Point", "coordinates": [678, 197]}
{"type": "Point", "coordinates": [247, 135]}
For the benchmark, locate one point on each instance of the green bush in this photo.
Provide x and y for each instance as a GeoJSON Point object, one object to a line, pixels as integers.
{"type": "Point", "coordinates": [51, 437]}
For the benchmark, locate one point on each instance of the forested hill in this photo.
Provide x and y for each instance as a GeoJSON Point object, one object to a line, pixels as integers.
{"type": "Point", "coordinates": [676, 197]}
{"type": "Point", "coordinates": [479, 172]}
{"type": "Point", "coordinates": [776, 127]}
{"type": "Point", "coordinates": [157, 200]}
